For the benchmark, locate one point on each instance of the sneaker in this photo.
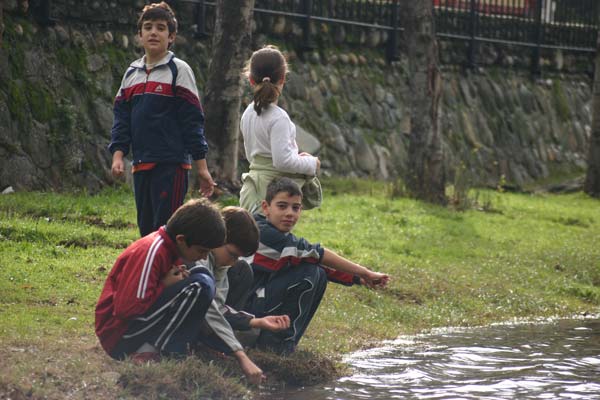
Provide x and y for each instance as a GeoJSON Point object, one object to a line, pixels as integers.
{"type": "Point", "coordinates": [145, 357]}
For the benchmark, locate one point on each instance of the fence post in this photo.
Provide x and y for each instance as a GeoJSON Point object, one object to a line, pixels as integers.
{"type": "Point", "coordinates": [201, 20]}
{"type": "Point", "coordinates": [473, 24]}
{"type": "Point", "coordinates": [392, 42]}
{"type": "Point", "coordinates": [306, 36]}
{"type": "Point", "coordinates": [536, 70]}
{"type": "Point", "coordinates": [43, 13]}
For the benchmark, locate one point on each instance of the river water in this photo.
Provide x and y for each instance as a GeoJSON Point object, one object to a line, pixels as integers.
{"type": "Point", "coordinates": [551, 360]}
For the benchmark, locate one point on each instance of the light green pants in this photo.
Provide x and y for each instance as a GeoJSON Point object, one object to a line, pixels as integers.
{"type": "Point", "coordinates": [262, 172]}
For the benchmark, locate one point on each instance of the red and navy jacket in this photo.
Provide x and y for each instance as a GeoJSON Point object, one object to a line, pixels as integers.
{"type": "Point", "coordinates": [133, 285]}
{"type": "Point", "coordinates": [157, 114]}
{"type": "Point", "coordinates": [279, 250]}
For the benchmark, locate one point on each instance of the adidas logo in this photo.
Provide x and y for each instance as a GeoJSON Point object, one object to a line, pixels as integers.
{"type": "Point", "coordinates": [159, 89]}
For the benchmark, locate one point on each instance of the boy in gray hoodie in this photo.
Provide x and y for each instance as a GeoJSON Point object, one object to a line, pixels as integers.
{"type": "Point", "coordinates": [222, 318]}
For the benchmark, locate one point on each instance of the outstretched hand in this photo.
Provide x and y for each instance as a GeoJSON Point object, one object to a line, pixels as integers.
{"type": "Point", "coordinates": [252, 372]}
{"type": "Point", "coordinates": [375, 280]}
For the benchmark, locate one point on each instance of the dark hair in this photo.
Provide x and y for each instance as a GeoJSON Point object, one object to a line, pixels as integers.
{"type": "Point", "coordinates": [200, 222]}
{"type": "Point", "coordinates": [158, 11]}
{"type": "Point", "coordinates": [266, 68]}
{"type": "Point", "coordinates": [282, 184]}
{"type": "Point", "coordinates": [242, 230]}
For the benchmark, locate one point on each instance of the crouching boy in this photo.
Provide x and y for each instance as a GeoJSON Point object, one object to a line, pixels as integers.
{"type": "Point", "coordinates": [222, 317]}
{"type": "Point", "coordinates": [291, 274]}
{"type": "Point", "coordinates": [149, 307]}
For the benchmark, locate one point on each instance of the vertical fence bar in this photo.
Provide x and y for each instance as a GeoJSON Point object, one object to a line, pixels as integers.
{"type": "Point", "coordinates": [43, 13]}
{"type": "Point", "coordinates": [200, 20]}
{"type": "Point", "coordinates": [537, 40]}
{"type": "Point", "coordinates": [472, 34]}
{"type": "Point", "coordinates": [306, 36]}
{"type": "Point", "coordinates": [392, 42]}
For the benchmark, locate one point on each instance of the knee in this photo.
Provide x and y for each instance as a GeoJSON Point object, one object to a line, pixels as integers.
{"type": "Point", "coordinates": [206, 284]}
{"type": "Point", "coordinates": [317, 275]}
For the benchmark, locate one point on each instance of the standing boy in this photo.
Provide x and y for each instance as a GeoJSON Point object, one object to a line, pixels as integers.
{"type": "Point", "coordinates": [157, 114]}
{"type": "Point", "coordinates": [290, 274]}
{"type": "Point", "coordinates": [222, 317]}
{"type": "Point", "coordinates": [148, 306]}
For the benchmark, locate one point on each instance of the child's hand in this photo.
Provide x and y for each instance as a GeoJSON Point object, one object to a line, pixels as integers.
{"type": "Point", "coordinates": [118, 166]}
{"type": "Point", "coordinates": [375, 280]}
{"type": "Point", "coordinates": [207, 185]}
{"type": "Point", "coordinates": [176, 273]}
{"type": "Point", "coordinates": [254, 374]}
{"type": "Point", "coordinates": [271, 323]}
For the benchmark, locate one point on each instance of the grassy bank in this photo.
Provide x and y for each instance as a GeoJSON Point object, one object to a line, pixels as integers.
{"type": "Point", "coordinates": [525, 256]}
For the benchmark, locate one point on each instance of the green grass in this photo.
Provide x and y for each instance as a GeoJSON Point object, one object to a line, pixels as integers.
{"type": "Point", "coordinates": [529, 256]}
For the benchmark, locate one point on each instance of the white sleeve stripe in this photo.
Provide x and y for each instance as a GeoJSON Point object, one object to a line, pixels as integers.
{"type": "Point", "coordinates": [290, 251]}
{"type": "Point", "coordinates": [178, 318]}
{"type": "Point", "coordinates": [147, 267]}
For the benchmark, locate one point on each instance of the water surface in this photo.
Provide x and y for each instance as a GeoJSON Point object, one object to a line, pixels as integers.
{"type": "Point", "coordinates": [553, 360]}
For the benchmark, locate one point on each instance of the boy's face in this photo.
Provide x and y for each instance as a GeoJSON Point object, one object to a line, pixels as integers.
{"type": "Point", "coordinates": [226, 255]}
{"type": "Point", "coordinates": [283, 211]}
{"type": "Point", "coordinates": [155, 36]}
{"type": "Point", "coordinates": [192, 253]}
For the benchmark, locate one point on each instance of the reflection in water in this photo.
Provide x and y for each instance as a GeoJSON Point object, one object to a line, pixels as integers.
{"type": "Point", "coordinates": [559, 360]}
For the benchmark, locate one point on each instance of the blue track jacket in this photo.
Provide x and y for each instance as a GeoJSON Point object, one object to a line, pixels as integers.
{"type": "Point", "coordinates": [158, 115]}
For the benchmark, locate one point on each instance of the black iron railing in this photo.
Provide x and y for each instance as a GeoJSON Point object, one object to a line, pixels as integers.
{"type": "Point", "coordinates": [570, 25]}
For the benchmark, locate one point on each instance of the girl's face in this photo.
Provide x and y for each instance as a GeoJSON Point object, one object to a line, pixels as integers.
{"type": "Point", "coordinates": [155, 37]}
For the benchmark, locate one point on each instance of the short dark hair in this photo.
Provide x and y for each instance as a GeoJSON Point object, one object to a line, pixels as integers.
{"type": "Point", "coordinates": [200, 222]}
{"type": "Point", "coordinates": [282, 184]}
{"type": "Point", "coordinates": [158, 11]}
{"type": "Point", "coordinates": [242, 230]}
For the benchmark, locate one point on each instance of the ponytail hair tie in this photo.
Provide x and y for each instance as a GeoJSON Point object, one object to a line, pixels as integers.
{"type": "Point", "coordinates": [266, 79]}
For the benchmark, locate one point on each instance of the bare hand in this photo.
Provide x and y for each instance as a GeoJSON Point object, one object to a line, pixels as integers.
{"type": "Point", "coordinates": [273, 323]}
{"type": "Point", "coordinates": [375, 280]}
{"type": "Point", "coordinates": [207, 185]}
{"type": "Point", "coordinates": [118, 166]}
{"type": "Point", "coordinates": [176, 273]}
{"type": "Point", "coordinates": [254, 374]}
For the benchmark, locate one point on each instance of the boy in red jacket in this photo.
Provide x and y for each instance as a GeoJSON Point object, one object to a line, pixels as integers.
{"type": "Point", "coordinates": [148, 305]}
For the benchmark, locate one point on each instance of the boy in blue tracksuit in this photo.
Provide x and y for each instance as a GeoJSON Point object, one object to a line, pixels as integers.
{"type": "Point", "coordinates": [291, 274]}
{"type": "Point", "coordinates": [157, 114]}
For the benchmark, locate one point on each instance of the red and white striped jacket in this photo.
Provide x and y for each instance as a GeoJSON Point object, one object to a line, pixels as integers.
{"type": "Point", "coordinates": [133, 285]}
{"type": "Point", "coordinates": [278, 250]}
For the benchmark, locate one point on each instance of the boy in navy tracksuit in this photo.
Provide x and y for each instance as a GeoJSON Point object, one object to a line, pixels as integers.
{"type": "Point", "coordinates": [149, 306]}
{"type": "Point", "coordinates": [157, 114]}
{"type": "Point", "coordinates": [290, 274]}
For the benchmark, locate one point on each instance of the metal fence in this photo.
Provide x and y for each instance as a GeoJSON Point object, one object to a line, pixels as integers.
{"type": "Point", "coordinates": [570, 25]}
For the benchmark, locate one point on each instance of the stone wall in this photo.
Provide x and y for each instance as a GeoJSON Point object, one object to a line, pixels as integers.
{"type": "Point", "coordinates": [57, 84]}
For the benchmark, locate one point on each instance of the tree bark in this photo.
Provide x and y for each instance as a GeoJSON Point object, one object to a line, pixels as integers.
{"type": "Point", "coordinates": [425, 176]}
{"type": "Point", "coordinates": [592, 177]}
{"type": "Point", "coordinates": [231, 44]}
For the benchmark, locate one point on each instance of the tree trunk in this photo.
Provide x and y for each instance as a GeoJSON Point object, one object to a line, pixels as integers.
{"type": "Point", "coordinates": [231, 44]}
{"type": "Point", "coordinates": [425, 176]}
{"type": "Point", "coordinates": [592, 177]}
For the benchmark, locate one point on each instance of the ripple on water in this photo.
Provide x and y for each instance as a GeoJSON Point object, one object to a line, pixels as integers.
{"type": "Point", "coordinates": [555, 360]}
